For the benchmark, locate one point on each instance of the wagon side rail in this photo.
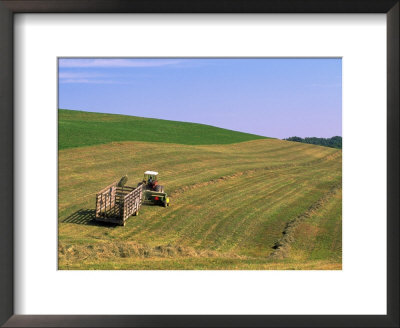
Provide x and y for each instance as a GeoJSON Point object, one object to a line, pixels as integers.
{"type": "Point", "coordinates": [105, 200]}
{"type": "Point", "coordinates": [132, 202]}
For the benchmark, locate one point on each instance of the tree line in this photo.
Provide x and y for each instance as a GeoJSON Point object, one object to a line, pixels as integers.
{"type": "Point", "coordinates": [334, 142]}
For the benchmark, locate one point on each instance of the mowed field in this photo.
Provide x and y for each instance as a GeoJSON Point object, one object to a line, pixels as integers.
{"type": "Point", "coordinates": [256, 204]}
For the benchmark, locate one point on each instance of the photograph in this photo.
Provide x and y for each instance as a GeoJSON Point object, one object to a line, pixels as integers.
{"type": "Point", "coordinates": [199, 163]}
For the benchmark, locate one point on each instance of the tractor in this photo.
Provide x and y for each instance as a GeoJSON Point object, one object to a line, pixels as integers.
{"type": "Point", "coordinates": [152, 191]}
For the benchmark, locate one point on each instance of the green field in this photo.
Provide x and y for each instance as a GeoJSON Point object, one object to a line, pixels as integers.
{"type": "Point", "coordinates": [77, 129]}
{"type": "Point", "coordinates": [246, 203]}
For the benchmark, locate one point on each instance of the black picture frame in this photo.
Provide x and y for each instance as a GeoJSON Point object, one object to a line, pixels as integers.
{"type": "Point", "coordinates": [10, 7]}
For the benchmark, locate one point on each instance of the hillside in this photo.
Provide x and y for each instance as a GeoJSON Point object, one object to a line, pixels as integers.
{"type": "Point", "coordinates": [77, 128]}
{"type": "Point", "coordinates": [258, 204]}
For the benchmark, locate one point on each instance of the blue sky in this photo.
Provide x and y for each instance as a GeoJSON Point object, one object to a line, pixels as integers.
{"type": "Point", "coordinates": [271, 97]}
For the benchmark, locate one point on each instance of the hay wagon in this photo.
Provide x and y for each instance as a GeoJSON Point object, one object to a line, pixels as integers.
{"type": "Point", "coordinates": [116, 204]}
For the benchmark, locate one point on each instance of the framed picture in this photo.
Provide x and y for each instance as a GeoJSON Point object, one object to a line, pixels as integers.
{"type": "Point", "coordinates": [167, 163]}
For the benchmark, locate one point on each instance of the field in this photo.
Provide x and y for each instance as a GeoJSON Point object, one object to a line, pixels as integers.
{"type": "Point", "coordinates": [77, 129]}
{"type": "Point", "coordinates": [246, 203]}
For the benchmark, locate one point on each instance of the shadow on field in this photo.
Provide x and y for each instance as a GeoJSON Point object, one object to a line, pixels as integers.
{"type": "Point", "coordinates": [86, 217]}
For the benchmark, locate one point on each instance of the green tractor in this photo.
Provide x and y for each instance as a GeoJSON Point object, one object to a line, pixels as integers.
{"type": "Point", "coordinates": [152, 191]}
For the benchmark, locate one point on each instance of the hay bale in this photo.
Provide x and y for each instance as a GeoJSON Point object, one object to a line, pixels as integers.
{"type": "Point", "coordinates": [122, 182]}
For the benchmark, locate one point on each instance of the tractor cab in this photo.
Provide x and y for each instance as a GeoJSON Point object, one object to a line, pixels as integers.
{"type": "Point", "coordinates": [152, 191]}
{"type": "Point", "coordinates": [150, 179]}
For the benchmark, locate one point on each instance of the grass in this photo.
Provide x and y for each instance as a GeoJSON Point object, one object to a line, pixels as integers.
{"type": "Point", "coordinates": [193, 263]}
{"type": "Point", "coordinates": [77, 129]}
{"type": "Point", "coordinates": [230, 202]}
{"type": "Point", "coordinates": [320, 236]}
